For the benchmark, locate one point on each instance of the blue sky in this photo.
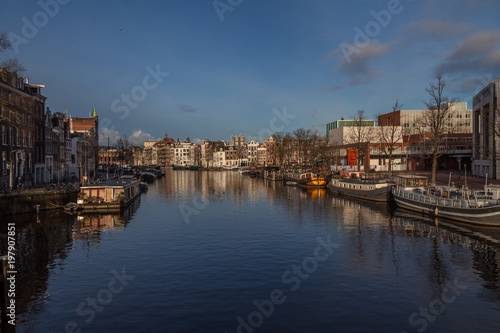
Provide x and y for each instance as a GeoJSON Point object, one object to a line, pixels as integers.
{"type": "Point", "coordinates": [228, 67]}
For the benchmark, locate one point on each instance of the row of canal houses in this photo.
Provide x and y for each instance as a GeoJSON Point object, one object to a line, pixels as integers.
{"type": "Point", "coordinates": [208, 154]}
{"type": "Point", "coordinates": [37, 145]}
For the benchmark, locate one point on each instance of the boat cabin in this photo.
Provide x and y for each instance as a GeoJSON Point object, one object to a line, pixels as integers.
{"type": "Point", "coordinates": [411, 181]}
{"type": "Point", "coordinates": [111, 191]}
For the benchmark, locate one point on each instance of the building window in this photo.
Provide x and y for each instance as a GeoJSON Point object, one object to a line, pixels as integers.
{"type": "Point", "coordinates": [4, 163]}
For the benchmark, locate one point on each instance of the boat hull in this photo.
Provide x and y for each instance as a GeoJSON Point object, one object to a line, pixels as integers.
{"type": "Point", "coordinates": [104, 207]}
{"type": "Point", "coordinates": [380, 194]}
{"type": "Point", "coordinates": [482, 216]}
{"type": "Point", "coordinates": [312, 183]}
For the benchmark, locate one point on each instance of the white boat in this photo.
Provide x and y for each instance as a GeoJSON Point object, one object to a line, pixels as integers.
{"type": "Point", "coordinates": [369, 189]}
{"type": "Point", "coordinates": [465, 205]}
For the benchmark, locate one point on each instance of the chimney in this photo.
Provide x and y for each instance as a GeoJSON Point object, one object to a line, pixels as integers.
{"type": "Point", "coordinates": [27, 81]}
{"type": "Point", "coordinates": [342, 118]}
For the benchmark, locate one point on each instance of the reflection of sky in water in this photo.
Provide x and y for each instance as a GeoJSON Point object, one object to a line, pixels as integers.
{"type": "Point", "coordinates": [243, 235]}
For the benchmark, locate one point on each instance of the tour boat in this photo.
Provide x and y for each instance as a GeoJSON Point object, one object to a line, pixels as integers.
{"type": "Point", "coordinates": [106, 196]}
{"type": "Point", "coordinates": [460, 204]}
{"type": "Point", "coordinates": [369, 189]}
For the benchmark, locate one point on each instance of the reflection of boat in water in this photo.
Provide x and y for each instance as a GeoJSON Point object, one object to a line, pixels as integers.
{"type": "Point", "coordinates": [471, 206]}
{"type": "Point", "coordinates": [274, 175]}
{"type": "Point", "coordinates": [317, 192]}
{"type": "Point", "coordinates": [92, 223]}
{"type": "Point", "coordinates": [306, 179]}
{"type": "Point", "coordinates": [455, 232]}
{"type": "Point", "coordinates": [104, 197]}
{"type": "Point", "coordinates": [369, 189]}
{"type": "Point", "coordinates": [351, 204]}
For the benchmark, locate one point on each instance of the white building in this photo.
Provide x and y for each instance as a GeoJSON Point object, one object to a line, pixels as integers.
{"type": "Point", "coordinates": [252, 147]}
{"type": "Point", "coordinates": [345, 135]}
{"type": "Point", "coordinates": [460, 117]}
{"type": "Point", "coordinates": [186, 154]}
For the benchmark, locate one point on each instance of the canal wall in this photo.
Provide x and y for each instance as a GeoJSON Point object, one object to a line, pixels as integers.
{"type": "Point", "coordinates": [22, 203]}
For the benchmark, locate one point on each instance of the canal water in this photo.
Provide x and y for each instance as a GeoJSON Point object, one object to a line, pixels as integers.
{"type": "Point", "coordinates": [221, 252]}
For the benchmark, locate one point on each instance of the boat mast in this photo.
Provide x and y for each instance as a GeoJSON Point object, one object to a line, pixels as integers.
{"type": "Point", "coordinates": [466, 175]}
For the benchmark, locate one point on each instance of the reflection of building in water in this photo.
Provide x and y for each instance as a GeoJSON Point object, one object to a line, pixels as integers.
{"type": "Point", "coordinates": [212, 185]}
{"type": "Point", "coordinates": [40, 247]}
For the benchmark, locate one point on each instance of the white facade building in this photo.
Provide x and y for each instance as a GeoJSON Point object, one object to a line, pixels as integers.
{"type": "Point", "coordinates": [461, 117]}
{"type": "Point", "coordinates": [186, 154]}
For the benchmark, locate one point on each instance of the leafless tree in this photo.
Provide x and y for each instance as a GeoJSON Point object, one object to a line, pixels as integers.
{"type": "Point", "coordinates": [320, 151]}
{"type": "Point", "coordinates": [303, 138]}
{"type": "Point", "coordinates": [359, 135]}
{"type": "Point", "coordinates": [281, 147]}
{"type": "Point", "coordinates": [437, 122]}
{"type": "Point", "coordinates": [123, 146]}
{"type": "Point", "coordinates": [12, 65]}
{"type": "Point", "coordinates": [390, 135]}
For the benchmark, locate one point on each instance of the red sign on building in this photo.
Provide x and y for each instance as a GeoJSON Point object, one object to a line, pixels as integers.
{"type": "Point", "coordinates": [351, 157]}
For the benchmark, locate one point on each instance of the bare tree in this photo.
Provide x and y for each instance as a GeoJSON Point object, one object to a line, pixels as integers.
{"type": "Point", "coordinates": [123, 146]}
{"type": "Point", "coordinates": [12, 65]}
{"type": "Point", "coordinates": [303, 138]}
{"type": "Point", "coordinates": [360, 135]}
{"type": "Point", "coordinates": [281, 147]}
{"type": "Point", "coordinates": [390, 134]}
{"type": "Point", "coordinates": [315, 141]}
{"type": "Point", "coordinates": [437, 122]}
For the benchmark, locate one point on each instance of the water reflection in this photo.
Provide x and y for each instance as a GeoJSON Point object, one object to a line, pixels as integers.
{"type": "Point", "coordinates": [389, 263]}
{"type": "Point", "coordinates": [89, 227]}
{"type": "Point", "coordinates": [43, 243]}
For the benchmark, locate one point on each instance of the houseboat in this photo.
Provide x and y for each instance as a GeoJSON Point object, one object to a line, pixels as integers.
{"type": "Point", "coordinates": [306, 179]}
{"type": "Point", "coordinates": [459, 204]}
{"type": "Point", "coordinates": [104, 197]}
{"type": "Point", "coordinates": [368, 189]}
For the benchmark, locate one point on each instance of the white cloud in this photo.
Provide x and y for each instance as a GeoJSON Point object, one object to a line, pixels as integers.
{"type": "Point", "coordinates": [106, 133]}
{"type": "Point", "coordinates": [139, 136]}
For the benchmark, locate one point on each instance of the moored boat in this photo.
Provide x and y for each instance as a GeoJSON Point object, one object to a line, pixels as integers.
{"type": "Point", "coordinates": [148, 177]}
{"type": "Point", "coordinates": [143, 186]}
{"type": "Point", "coordinates": [307, 179]}
{"type": "Point", "coordinates": [104, 197]}
{"type": "Point", "coordinates": [368, 189]}
{"type": "Point", "coordinates": [465, 205]}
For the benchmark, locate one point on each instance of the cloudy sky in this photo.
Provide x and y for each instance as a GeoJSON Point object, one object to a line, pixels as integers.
{"type": "Point", "coordinates": [211, 69]}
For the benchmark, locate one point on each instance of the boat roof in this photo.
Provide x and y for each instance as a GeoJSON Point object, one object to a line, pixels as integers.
{"type": "Point", "coordinates": [111, 183]}
{"type": "Point", "coordinates": [365, 181]}
{"type": "Point", "coordinates": [411, 176]}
